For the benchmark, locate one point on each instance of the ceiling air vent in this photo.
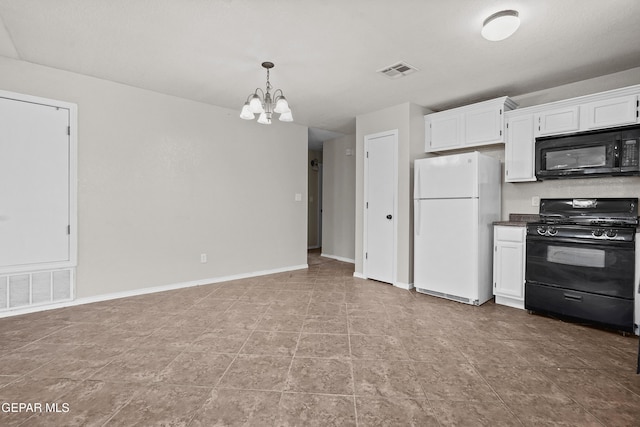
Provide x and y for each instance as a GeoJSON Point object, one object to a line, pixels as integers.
{"type": "Point", "coordinates": [398, 70]}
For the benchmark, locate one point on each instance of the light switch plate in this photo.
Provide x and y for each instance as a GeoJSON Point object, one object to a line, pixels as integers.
{"type": "Point", "coordinates": [298, 197]}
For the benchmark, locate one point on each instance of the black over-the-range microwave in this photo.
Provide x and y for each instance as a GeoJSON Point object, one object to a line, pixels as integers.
{"type": "Point", "coordinates": [610, 152]}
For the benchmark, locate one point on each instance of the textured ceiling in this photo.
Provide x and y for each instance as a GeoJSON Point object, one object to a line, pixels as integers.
{"type": "Point", "coordinates": [326, 52]}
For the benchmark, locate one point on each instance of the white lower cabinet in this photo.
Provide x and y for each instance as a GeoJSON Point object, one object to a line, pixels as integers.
{"type": "Point", "coordinates": [508, 265]}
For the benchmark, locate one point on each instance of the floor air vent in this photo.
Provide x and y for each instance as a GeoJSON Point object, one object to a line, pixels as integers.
{"type": "Point", "coordinates": [37, 288]}
{"type": "Point", "coordinates": [398, 70]}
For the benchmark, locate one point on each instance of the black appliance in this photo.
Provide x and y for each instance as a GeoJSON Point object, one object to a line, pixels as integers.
{"type": "Point", "coordinates": [611, 152]}
{"type": "Point", "coordinates": [580, 260]}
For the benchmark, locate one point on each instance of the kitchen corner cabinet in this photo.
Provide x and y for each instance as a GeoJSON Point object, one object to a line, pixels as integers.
{"type": "Point", "coordinates": [469, 126]}
{"type": "Point", "coordinates": [619, 107]}
{"type": "Point", "coordinates": [508, 265]}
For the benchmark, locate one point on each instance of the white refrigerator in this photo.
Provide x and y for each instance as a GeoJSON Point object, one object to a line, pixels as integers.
{"type": "Point", "coordinates": [456, 201]}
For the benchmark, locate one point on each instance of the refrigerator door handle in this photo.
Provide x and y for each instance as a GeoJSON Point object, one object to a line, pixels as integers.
{"type": "Point", "coordinates": [416, 217]}
{"type": "Point", "coordinates": [416, 189]}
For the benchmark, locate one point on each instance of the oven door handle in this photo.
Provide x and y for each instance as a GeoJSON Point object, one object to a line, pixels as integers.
{"type": "Point", "coordinates": [592, 243]}
{"type": "Point", "coordinates": [572, 297]}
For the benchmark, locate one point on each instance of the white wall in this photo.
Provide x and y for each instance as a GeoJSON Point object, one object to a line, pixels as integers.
{"type": "Point", "coordinates": [338, 199]}
{"type": "Point", "coordinates": [163, 179]}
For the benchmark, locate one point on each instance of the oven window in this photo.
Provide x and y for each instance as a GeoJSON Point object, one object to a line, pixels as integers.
{"type": "Point", "coordinates": [581, 257]}
{"type": "Point", "coordinates": [591, 157]}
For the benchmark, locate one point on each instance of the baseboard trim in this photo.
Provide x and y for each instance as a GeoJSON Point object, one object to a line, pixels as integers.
{"type": "Point", "coordinates": [359, 275]}
{"type": "Point", "coordinates": [150, 290]}
{"type": "Point", "coordinates": [405, 286]}
{"type": "Point", "coordinates": [338, 258]}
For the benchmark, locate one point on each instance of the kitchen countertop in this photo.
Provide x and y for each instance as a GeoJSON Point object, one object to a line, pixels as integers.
{"type": "Point", "coordinates": [518, 220]}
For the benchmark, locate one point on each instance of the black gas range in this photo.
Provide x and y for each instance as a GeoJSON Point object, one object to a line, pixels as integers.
{"type": "Point", "coordinates": [581, 260]}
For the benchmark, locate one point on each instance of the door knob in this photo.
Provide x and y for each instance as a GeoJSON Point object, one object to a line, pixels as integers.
{"type": "Point", "coordinates": [389, 217]}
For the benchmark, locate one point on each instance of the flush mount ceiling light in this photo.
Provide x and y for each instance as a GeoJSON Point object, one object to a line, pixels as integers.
{"type": "Point", "coordinates": [500, 25]}
{"type": "Point", "coordinates": [261, 102]}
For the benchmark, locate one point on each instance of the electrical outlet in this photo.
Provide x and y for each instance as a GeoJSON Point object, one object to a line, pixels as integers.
{"type": "Point", "coordinates": [535, 201]}
{"type": "Point", "coordinates": [203, 258]}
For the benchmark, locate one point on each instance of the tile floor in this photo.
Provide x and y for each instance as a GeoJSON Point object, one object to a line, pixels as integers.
{"type": "Point", "coordinates": [312, 347]}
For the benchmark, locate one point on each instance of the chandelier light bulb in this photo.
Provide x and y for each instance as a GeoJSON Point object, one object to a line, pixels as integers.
{"type": "Point", "coordinates": [286, 116]}
{"type": "Point", "coordinates": [282, 106]}
{"type": "Point", "coordinates": [500, 25]}
{"type": "Point", "coordinates": [256, 104]}
{"type": "Point", "coordinates": [264, 119]}
{"type": "Point", "coordinates": [246, 113]}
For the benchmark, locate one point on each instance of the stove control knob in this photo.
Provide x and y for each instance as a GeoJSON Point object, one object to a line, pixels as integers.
{"type": "Point", "coordinates": [611, 234]}
{"type": "Point", "coordinates": [542, 230]}
{"type": "Point", "coordinates": [597, 232]}
{"type": "Point", "coordinates": [553, 231]}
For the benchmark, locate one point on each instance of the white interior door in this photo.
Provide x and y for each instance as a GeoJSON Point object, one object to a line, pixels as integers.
{"type": "Point", "coordinates": [380, 206]}
{"type": "Point", "coordinates": [34, 184]}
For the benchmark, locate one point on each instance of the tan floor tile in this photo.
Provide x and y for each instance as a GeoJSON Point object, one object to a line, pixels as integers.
{"type": "Point", "coordinates": [236, 320]}
{"type": "Point", "coordinates": [314, 410]}
{"type": "Point", "coordinates": [70, 368]}
{"type": "Point", "coordinates": [271, 343]}
{"type": "Point", "coordinates": [201, 369]}
{"type": "Point", "coordinates": [432, 349]}
{"type": "Point", "coordinates": [44, 389]}
{"type": "Point", "coordinates": [323, 346]}
{"type": "Point", "coordinates": [139, 365]}
{"type": "Point", "coordinates": [220, 341]}
{"type": "Point", "coordinates": [227, 407]}
{"type": "Point", "coordinates": [281, 323]}
{"type": "Point", "coordinates": [383, 347]}
{"type": "Point", "coordinates": [161, 404]}
{"type": "Point", "coordinates": [617, 414]}
{"type": "Point", "coordinates": [372, 325]}
{"type": "Point", "coordinates": [487, 414]}
{"type": "Point", "coordinates": [292, 308]}
{"type": "Point", "coordinates": [325, 325]}
{"type": "Point", "coordinates": [533, 410]}
{"type": "Point", "coordinates": [326, 376]}
{"type": "Point", "coordinates": [252, 372]}
{"type": "Point", "coordinates": [320, 308]}
{"type": "Point", "coordinates": [590, 387]}
{"type": "Point", "coordinates": [387, 412]}
{"type": "Point", "coordinates": [90, 403]}
{"type": "Point", "coordinates": [384, 378]}
{"type": "Point", "coordinates": [448, 381]}
{"type": "Point", "coordinates": [516, 384]}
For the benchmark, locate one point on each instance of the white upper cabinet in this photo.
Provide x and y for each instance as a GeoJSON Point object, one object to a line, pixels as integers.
{"type": "Point", "coordinates": [445, 132]}
{"type": "Point", "coordinates": [469, 126]}
{"type": "Point", "coordinates": [618, 107]}
{"type": "Point", "coordinates": [483, 124]}
{"type": "Point", "coordinates": [561, 120]}
{"type": "Point", "coordinates": [618, 111]}
{"type": "Point", "coordinates": [519, 140]}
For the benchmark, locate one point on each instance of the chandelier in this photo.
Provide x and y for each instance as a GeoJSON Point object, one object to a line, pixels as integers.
{"type": "Point", "coordinates": [263, 103]}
